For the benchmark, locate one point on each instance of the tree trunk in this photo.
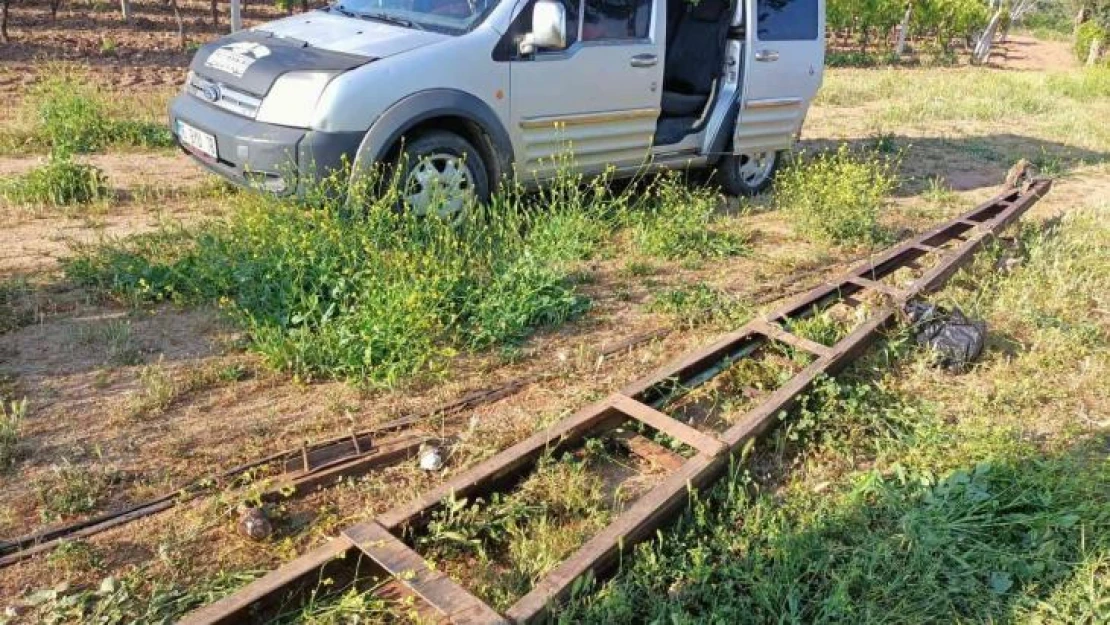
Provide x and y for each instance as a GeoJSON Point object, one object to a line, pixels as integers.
{"type": "Point", "coordinates": [903, 30]}
{"type": "Point", "coordinates": [236, 16]}
{"type": "Point", "coordinates": [4, 22]}
{"type": "Point", "coordinates": [180, 24]}
{"type": "Point", "coordinates": [215, 9]}
{"type": "Point", "coordinates": [125, 10]}
{"type": "Point", "coordinates": [54, 6]}
{"type": "Point", "coordinates": [304, 6]}
{"type": "Point", "coordinates": [982, 51]}
{"type": "Point", "coordinates": [1095, 52]}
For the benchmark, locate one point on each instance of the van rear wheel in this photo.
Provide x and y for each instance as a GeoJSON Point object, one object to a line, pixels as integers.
{"type": "Point", "coordinates": [442, 174]}
{"type": "Point", "coordinates": [748, 174]}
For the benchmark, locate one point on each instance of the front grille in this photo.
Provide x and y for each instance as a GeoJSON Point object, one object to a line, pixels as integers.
{"type": "Point", "coordinates": [219, 94]}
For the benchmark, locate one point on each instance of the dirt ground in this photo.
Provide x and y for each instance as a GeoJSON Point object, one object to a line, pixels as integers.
{"type": "Point", "coordinates": [143, 56]}
{"type": "Point", "coordinates": [96, 374]}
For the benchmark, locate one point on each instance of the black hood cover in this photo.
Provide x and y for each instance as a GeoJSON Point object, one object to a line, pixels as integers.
{"type": "Point", "coordinates": [252, 60]}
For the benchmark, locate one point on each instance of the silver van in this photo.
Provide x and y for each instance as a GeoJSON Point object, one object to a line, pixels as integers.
{"type": "Point", "coordinates": [462, 94]}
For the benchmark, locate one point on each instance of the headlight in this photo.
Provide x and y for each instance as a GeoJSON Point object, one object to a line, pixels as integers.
{"type": "Point", "coordinates": [293, 97]}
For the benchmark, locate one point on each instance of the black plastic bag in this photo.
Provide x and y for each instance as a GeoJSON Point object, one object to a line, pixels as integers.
{"type": "Point", "coordinates": [956, 340]}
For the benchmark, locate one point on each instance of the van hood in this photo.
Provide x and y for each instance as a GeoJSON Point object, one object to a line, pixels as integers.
{"type": "Point", "coordinates": [349, 35]}
{"type": "Point", "coordinates": [252, 60]}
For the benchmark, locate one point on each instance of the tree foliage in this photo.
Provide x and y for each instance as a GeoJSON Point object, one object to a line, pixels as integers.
{"type": "Point", "coordinates": [873, 22]}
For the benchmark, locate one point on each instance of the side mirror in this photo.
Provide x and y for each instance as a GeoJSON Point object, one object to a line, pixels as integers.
{"type": "Point", "coordinates": [549, 27]}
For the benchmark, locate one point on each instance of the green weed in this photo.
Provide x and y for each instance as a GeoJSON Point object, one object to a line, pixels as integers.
{"type": "Point", "coordinates": [373, 295]}
{"type": "Point", "coordinates": [16, 305]}
{"type": "Point", "coordinates": [519, 537]}
{"type": "Point", "coordinates": [820, 327]}
{"type": "Point", "coordinates": [837, 197]}
{"type": "Point", "coordinates": [68, 490]}
{"type": "Point", "coordinates": [112, 338]}
{"type": "Point", "coordinates": [73, 557]}
{"type": "Point", "coordinates": [683, 224]}
{"type": "Point", "coordinates": [60, 182]}
{"type": "Point", "coordinates": [12, 415]}
{"type": "Point", "coordinates": [130, 598]}
{"type": "Point", "coordinates": [68, 115]}
{"type": "Point", "coordinates": [701, 305]}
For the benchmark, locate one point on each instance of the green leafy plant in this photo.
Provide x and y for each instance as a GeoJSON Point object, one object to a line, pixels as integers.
{"type": "Point", "coordinates": [837, 197]}
{"type": "Point", "coordinates": [69, 490]}
{"type": "Point", "coordinates": [701, 304]}
{"type": "Point", "coordinates": [12, 415]}
{"type": "Point", "coordinates": [368, 293]}
{"type": "Point", "coordinates": [683, 224]}
{"type": "Point", "coordinates": [70, 116]}
{"type": "Point", "coordinates": [1087, 33]}
{"type": "Point", "coordinates": [60, 182]}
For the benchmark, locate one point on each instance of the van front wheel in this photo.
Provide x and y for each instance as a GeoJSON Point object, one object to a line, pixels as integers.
{"type": "Point", "coordinates": [748, 174]}
{"type": "Point", "coordinates": [442, 174]}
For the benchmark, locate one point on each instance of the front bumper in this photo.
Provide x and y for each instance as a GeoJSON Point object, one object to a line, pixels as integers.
{"type": "Point", "coordinates": [279, 159]}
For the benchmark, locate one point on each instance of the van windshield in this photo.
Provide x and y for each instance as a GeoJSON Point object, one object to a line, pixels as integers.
{"type": "Point", "coordinates": [448, 16]}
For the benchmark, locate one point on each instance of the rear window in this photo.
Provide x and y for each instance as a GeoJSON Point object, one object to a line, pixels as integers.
{"type": "Point", "coordinates": [786, 20]}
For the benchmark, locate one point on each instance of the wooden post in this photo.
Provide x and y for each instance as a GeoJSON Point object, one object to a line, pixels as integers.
{"type": "Point", "coordinates": [903, 30]}
{"type": "Point", "coordinates": [982, 52]}
{"type": "Point", "coordinates": [4, 22]}
{"type": "Point", "coordinates": [1095, 52]}
{"type": "Point", "coordinates": [236, 15]}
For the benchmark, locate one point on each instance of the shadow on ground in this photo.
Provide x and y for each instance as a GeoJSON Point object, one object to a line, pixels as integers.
{"type": "Point", "coordinates": [967, 163]}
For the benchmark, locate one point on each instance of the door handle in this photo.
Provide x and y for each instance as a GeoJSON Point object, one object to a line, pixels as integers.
{"type": "Point", "coordinates": [644, 60]}
{"type": "Point", "coordinates": [767, 56]}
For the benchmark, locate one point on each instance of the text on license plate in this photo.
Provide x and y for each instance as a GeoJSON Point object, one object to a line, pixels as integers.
{"type": "Point", "coordinates": [197, 139]}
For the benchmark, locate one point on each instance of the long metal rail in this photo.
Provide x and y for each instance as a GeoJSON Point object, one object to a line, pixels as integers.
{"type": "Point", "coordinates": [380, 542]}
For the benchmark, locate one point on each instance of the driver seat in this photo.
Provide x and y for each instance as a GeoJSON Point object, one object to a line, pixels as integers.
{"type": "Point", "coordinates": [694, 57]}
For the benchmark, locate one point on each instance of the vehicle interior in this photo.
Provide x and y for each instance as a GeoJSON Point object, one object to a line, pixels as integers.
{"type": "Point", "coordinates": [695, 51]}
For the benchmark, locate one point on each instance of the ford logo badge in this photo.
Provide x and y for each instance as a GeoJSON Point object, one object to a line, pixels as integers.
{"type": "Point", "coordinates": [210, 92]}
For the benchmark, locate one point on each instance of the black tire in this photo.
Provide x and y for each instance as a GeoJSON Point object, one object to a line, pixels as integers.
{"type": "Point", "coordinates": [433, 148]}
{"type": "Point", "coordinates": [734, 181]}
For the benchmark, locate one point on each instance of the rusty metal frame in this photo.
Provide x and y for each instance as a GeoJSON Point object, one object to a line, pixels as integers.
{"type": "Point", "coordinates": [381, 540]}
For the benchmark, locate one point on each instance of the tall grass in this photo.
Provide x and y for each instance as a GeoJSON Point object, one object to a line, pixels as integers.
{"type": "Point", "coordinates": [67, 115]}
{"type": "Point", "coordinates": [837, 197]}
{"type": "Point", "coordinates": [60, 182]}
{"type": "Point", "coordinates": [374, 294]}
{"type": "Point", "coordinates": [12, 416]}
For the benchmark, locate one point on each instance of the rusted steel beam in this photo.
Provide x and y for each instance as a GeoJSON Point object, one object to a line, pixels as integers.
{"type": "Point", "coordinates": [648, 450]}
{"type": "Point", "coordinates": [639, 522]}
{"type": "Point", "coordinates": [677, 430]}
{"type": "Point", "coordinates": [406, 566]}
{"type": "Point", "coordinates": [777, 333]}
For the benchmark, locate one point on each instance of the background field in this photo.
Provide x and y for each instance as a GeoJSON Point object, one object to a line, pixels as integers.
{"type": "Point", "coordinates": [898, 493]}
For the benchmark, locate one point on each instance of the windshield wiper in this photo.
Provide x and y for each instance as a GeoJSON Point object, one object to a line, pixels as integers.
{"type": "Point", "coordinates": [391, 19]}
{"type": "Point", "coordinates": [339, 9]}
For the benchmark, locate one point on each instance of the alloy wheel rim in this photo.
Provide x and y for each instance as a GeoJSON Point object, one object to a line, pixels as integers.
{"type": "Point", "coordinates": [440, 184]}
{"type": "Point", "coordinates": [756, 168]}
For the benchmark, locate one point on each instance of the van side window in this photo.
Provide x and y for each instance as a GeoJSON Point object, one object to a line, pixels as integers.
{"type": "Point", "coordinates": [616, 19]}
{"type": "Point", "coordinates": [787, 20]}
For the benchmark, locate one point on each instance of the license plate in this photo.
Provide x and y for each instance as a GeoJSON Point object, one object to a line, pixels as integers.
{"type": "Point", "coordinates": [196, 139]}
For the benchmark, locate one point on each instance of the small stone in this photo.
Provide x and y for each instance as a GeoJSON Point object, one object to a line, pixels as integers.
{"type": "Point", "coordinates": [253, 523]}
{"type": "Point", "coordinates": [431, 457]}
